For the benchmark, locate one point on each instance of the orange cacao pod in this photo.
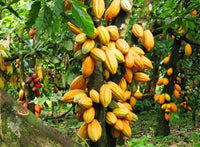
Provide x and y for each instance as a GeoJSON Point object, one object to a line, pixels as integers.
{"type": "Point", "coordinates": [127, 95]}
{"type": "Point", "coordinates": [118, 125]}
{"type": "Point", "coordinates": [167, 116]}
{"type": "Point", "coordinates": [98, 8]}
{"type": "Point", "coordinates": [138, 50]}
{"type": "Point", "coordinates": [78, 82]}
{"type": "Point", "coordinates": [74, 29]}
{"type": "Point", "coordinates": [122, 46]}
{"type": "Point", "coordinates": [176, 93]}
{"type": "Point", "coordinates": [141, 77]}
{"type": "Point", "coordinates": [69, 96]}
{"type": "Point", "coordinates": [123, 84]}
{"type": "Point", "coordinates": [146, 62]}
{"type": "Point", "coordinates": [137, 30]}
{"type": "Point", "coordinates": [88, 115]}
{"type": "Point", "coordinates": [132, 101]}
{"type": "Point", "coordinates": [87, 66]}
{"type": "Point", "coordinates": [77, 47]}
{"type": "Point", "coordinates": [83, 130]}
{"type": "Point", "coordinates": [188, 50]}
{"type": "Point", "coordinates": [112, 10]}
{"type": "Point", "coordinates": [173, 107]}
{"type": "Point", "coordinates": [160, 81]}
{"type": "Point", "coordinates": [170, 71]}
{"type": "Point", "coordinates": [111, 118]}
{"type": "Point", "coordinates": [165, 81]}
{"type": "Point", "coordinates": [94, 130]}
{"type": "Point", "coordinates": [126, 128]}
{"type": "Point", "coordinates": [105, 95]}
{"type": "Point", "coordinates": [166, 59]}
{"type": "Point", "coordinates": [117, 92]}
{"type": "Point", "coordinates": [148, 40]}
{"type": "Point", "coordinates": [177, 87]}
{"type": "Point", "coordinates": [161, 99]}
{"type": "Point", "coordinates": [129, 59]}
{"type": "Point", "coordinates": [115, 133]}
{"type": "Point", "coordinates": [138, 95]}
{"type": "Point", "coordinates": [96, 33]}
{"type": "Point", "coordinates": [128, 75]}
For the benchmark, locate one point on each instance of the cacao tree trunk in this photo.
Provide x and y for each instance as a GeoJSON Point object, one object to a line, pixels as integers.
{"type": "Point", "coordinates": [162, 128]}
{"type": "Point", "coordinates": [20, 127]}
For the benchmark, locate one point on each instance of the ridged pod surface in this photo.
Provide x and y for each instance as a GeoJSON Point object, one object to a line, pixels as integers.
{"type": "Point", "coordinates": [118, 125]}
{"type": "Point", "coordinates": [74, 29]}
{"type": "Point", "coordinates": [111, 61]}
{"type": "Point", "coordinates": [85, 102]}
{"type": "Point", "coordinates": [83, 130]}
{"type": "Point", "coordinates": [177, 87]}
{"type": "Point", "coordinates": [176, 93]}
{"type": "Point", "coordinates": [69, 96]}
{"type": "Point", "coordinates": [113, 31]}
{"type": "Point", "coordinates": [132, 101]}
{"type": "Point", "coordinates": [138, 95]}
{"type": "Point", "coordinates": [138, 50]}
{"type": "Point", "coordinates": [111, 118]}
{"type": "Point", "coordinates": [98, 8]}
{"type": "Point", "coordinates": [120, 112]}
{"type": "Point", "coordinates": [129, 59]}
{"type": "Point", "coordinates": [147, 64]}
{"type": "Point", "coordinates": [122, 45]}
{"type": "Point", "coordinates": [96, 33]}
{"type": "Point", "coordinates": [170, 71]}
{"type": "Point", "coordinates": [98, 54]}
{"type": "Point", "coordinates": [148, 40]}
{"type": "Point", "coordinates": [112, 10]}
{"type": "Point", "coordinates": [103, 36]}
{"type": "Point", "coordinates": [105, 95]}
{"type": "Point", "coordinates": [81, 38]}
{"type": "Point", "coordinates": [128, 75]}
{"type": "Point", "coordinates": [166, 59]}
{"type": "Point", "coordinates": [94, 95]}
{"type": "Point", "coordinates": [118, 55]}
{"type": "Point", "coordinates": [88, 115]}
{"type": "Point", "coordinates": [141, 77]}
{"type": "Point", "coordinates": [117, 92]}
{"type": "Point", "coordinates": [87, 46]}
{"type": "Point", "coordinates": [126, 5]}
{"type": "Point", "coordinates": [78, 82]}
{"type": "Point", "coordinates": [126, 128]}
{"type": "Point", "coordinates": [162, 99]}
{"type": "Point", "coordinates": [94, 130]}
{"type": "Point", "coordinates": [87, 66]}
{"type": "Point", "coordinates": [115, 133]}
{"type": "Point", "coordinates": [160, 82]}
{"type": "Point", "coordinates": [137, 30]}
{"type": "Point", "coordinates": [123, 84]}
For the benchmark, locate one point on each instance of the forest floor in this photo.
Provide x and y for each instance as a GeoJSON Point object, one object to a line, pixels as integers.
{"type": "Point", "coordinates": [182, 131]}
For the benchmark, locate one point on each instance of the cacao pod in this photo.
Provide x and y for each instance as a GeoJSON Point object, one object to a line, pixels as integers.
{"type": "Point", "coordinates": [79, 116]}
{"type": "Point", "coordinates": [122, 46]}
{"type": "Point", "coordinates": [120, 112]}
{"type": "Point", "coordinates": [85, 102]}
{"type": "Point", "coordinates": [137, 30]}
{"type": "Point", "coordinates": [132, 101]}
{"type": "Point", "coordinates": [138, 95]}
{"type": "Point", "coordinates": [126, 128]}
{"type": "Point", "coordinates": [141, 77]}
{"type": "Point", "coordinates": [69, 96]}
{"type": "Point", "coordinates": [83, 130]}
{"type": "Point", "coordinates": [177, 87]}
{"type": "Point", "coordinates": [176, 93]}
{"type": "Point", "coordinates": [112, 10]}
{"type": "Point", "coordinates": [148, 40]}
{"type": "Point", "coordinates": [98, 54]}
{"type": "Point", "coordinates": [166, 59]}
{"type": "Point", "coordinates": [105, 95]}
{"type": "Point", "coordinates": [88, 115]}
{"type": "Point", "coordinates": [37, 108]}
{"type": "Point", "coordinates": [78, 97]}
{"type": "Point", "coordinates": [113, 31]}
{"type": "Point", "coordinates": [188, 50]}
{"type": "Point", "coordinates": [138, 50]}
{"type": "Point", "coordinates": [146, 63]}
{"type": "Point", "coordinates": [21, 93]}
{"type": "Point", "coordinates": [104, 36]}
{"type": "Point", "coordinates": [160, 81]}
{"type": "Point", "coordinates": [167, 97]}
{"type": "Point", "coordinates": [170, 71]}
{"type": "Point", "coordinates": [74, 29]}
{"type": "Point", "coordinates": [115, 133]}
{"type": "Point", "coordinates": [118, 55]}
{"type": "Point", "coordinates": [126, 5]}
{"type": "Point", "coordinates": [128, 106]}
{"type": "Point", "coordinates": [119, 125]}
{"type": "Point", "coordinates": [78, 82]}
{"type": "Point", "coordinates": [129, 59]}
{"type": "Point", "coordinates": [127, 95]}
{"type": "Point", "coordinates": [79, 55]}
{"type": "Point", "coordinates": [98, 8]}
{"type": "Point", "coordinates": [162, 99]}
{"type": "Point", "coordinates": [123, 84]}
{"type": "Point", "coordinates": [167, 116]}
{"type": "Point", "coordinates": [94, 95]}
{"type": "Point", "coordinates": [111, 44]}
{"type": "Point", "coordinates": [81, 38]}
{"type": "Point", "coordinates": [117, 92]}
{"type": "Point", "coordinates": [165, 81]}
{"type": "Point", "coordinates": [94, 130]}
{"type": "Point", "coordinates": [87, 66]}
{"type": "Point", "coordinates": [87, 46]}
{"type": "Point", "coordinates": [111, 118]}
{"type": "Point", "coordinates": [156, 97]}
{"type": "Point", "coordinates": [128, 75]}
{"type": "Point", "coordinates": [96, 33]}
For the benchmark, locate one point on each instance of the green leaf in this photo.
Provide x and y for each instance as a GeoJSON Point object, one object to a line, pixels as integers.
{"type": "Point", "coordinates": [33, 13]}
{"type": "Point", "coordinates": [58, 7]}
{"type": "Point", "coordinates": [83, 18]}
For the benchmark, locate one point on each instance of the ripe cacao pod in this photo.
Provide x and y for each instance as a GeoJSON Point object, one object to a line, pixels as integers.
{"type": "Point", "coordinates": [98, 8]}
{"type": "Point", "coordinates": [188, 50]}
{"type": "Point", "coordinates": [112, 10]}
{"type": "Point", "coordinates": [138, 50]}
{"type": "Point", "coordinates": [165, 81]}
{"type": "Point", "coordinates": [147, 64]}
{"type": "Point", "coordinates": [120, 112]}
{"type": "Point", "coordinates": [94, 130]}
{"type": "Point", "coordinates": [87, 46]}
{"type": "Point", "coordinates": [81, 38]}
{"type": "Point", "coordinates": [103, 36]}
{"type": "Point", "coordinates": [111, 61]}
{"type": "Point", "coordinates": [119, 125]}
{"type": "Point", "coordinates": [83, 130]}
{"type": "Point", "coordinates": [127, 105]}
{"type": "Point", "coordinates": [118, 55]}
{"type": "Point", "coordinates": [127, 95]}
{"type": "Point", "coordinates": [128, 75]}
{"type": "Point", "coordinates": [98, 54]}
{"type": "Point", "coordinates": [88, 115]}
{"type": "Point", "coordinates": [166, 59]}
{"type": "Point", "coordinates": [111, 44]}
{"type": "Point", "coordinates": [177, 87]}
{"type": "Point", "coordinates": [94, 95]}
{"type": "Point", "coordinates": [126, 128]}
{"type": "Point", "coordinates": [138, 95]}
{"type": "Point", "coordinates": [74, 29]}
{"type": "Point", "coordinates": [85, 102]}
{"type": "Point", "coordinates": [141, 77]}
{"type": "Point", "coordinates": [167, 116]}
{"type": "Point", "coordinates": [137, 30]}
{"type": "Point", "coordinates": [115, 133]}
{"type": "Point", "coordinates": [148, 40]}
{"type": "Point", "coordinates": [78, 97]}
{"type": "Point", "coordinates": [69, 96]}
{"type": "Point", "coordinates": [156, 97]}
{"type": "Point", "coordinates": [167, 97]}
{"type": "Point", "coordinates": [37, 108]}
{"type": "Point", "coordinates": [113, 31]}
{"type": "Point", "coordinates": [170, 71]}
{"type": "Point", "coordinates": [123, 84]}
{"type": "Point", "coordinates": [105, 95]}
{"type": "Point", "coordinates": [78, 82]}
{"type": "Point", "coordinates": [111, 118]}
{"type": "Point", "coordinates": [96, 33]}
{"type": "Point", "coordinates": [117, 92]}
{"type": "Point", "coordinates": [87, 66]}
{"type": "Point", "coordinates": [160, 82]}
{"type": "Point", "coordinates": [21, 93]}
{"type": "Point", "coordinates": [129, 59]}
{"type": "Point", "coordinates": [132, 101]}
{"type": "Point", "coordinates": [122, 46]}
{"type": "Point", "coordinates": [162, 99]}
{"type": "Point", "coordinates": [176, 93]}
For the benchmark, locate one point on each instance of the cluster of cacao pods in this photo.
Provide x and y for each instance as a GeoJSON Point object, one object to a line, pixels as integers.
{"type": "Point", "coordinates": [34, 84]}
{"type": "Point", "coordinates": [119, 100]}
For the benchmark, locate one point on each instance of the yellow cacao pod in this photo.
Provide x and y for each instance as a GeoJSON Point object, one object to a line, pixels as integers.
{"type": "Point", "coordinates": [132, 101]}
{"type": "Point", "coordinates": [74, 29]}
{"type": "Point", "coordinates": [177, 87]}
{"type": "Point", "coordinates": [123, 84]}
{"type": "Point", "coordinates": [78, 97]}
{"type": "Point", "coordinates": [98, 8]}
{"type": "Point", "coordinates": [111, 61]}
{"type": "Point", "coordinates": [98, 54]}
{"type": "Point", "coordinates": [111, 118]}
{"type": "Point", "coordinates": [111, 44]}
{"type": "Point", "coordinates": [87, 46]}
{"type": "Point", "coordinates": [147, 64]}
{"type": "Point", "coordinates": [164, 106]}
{"type": "Point", "coordinates": [167, 97]}
{"type": "Point", "coordinates": [96, 33]}
{"type": "Point", "coordinates": [170, 71]}
{"type": "Point", "coordinates": [88, 115]}
{"type": "Point", "coordinates": [138, 95]}
{"type": "Point", "coordinates": [138, 50]}
{"type": "Point", "coordinates": [122, 46]}
{"type": "Point", "coordinates": [176, 93]}
{"type": "Point", "coordinates": [87, 66]}
{"type": "Point", "coordinates": [81, 38]}
{"type": "Point", "coordinates": [69, 96]}
{"type": "Point", "coordinates": [141, 77]}
{"type": "Point", "coordinates": [78, 82]}
{"type": "Point", "coordinates": [117, 92]}
{"type": "Point", "coordinates": [113, 31]}
{"type": "Point", "coordinates": [120, 112]}
{"type": "Point", "coordinates": [129, 59]}
{"type": "Point", "coordinates": [166, 59]}
{"type": "Point", "coordinates": [126, 5]}
{"type": "Point", "coordinates": [188, 50]}
{"type": "Point", "coordinates": [105, 95]}
{"type": "Point", "coordinates": [94, 95]}
{"type": "Point", "coordinates": [103, 36]}
{"type": "Point", "coordinates": [118, 125]}
{"type": "Point", "coordinates": [137, 30]}
{"type": "Point", "coordinates": [115, 133]}
{"type": "Point", "coordinates": [118, 55]}
{"type": "Point", "coordinates": [127, 105]}
{"type": "Point", "coordinates": [138, 63]}
{"type": "Point", "coordinates": [94, 130]}
{"type": "Point", "coordinates": [112, 10]}
{"type": "Point", "coordinates": [126, 128]}
{"type": "Point", "coordinates": [128, 75]}
{"type": "Point", "coordinates": [21, 94]}
{"type": "Point", "coordinates": [173, 107]}
{"type": "Point", "coordinates": [106, 74]}
{"type": "Point", "coordinates": [83, 130]}
{"type": "Point", "coordinates": [148, 40]}
{"type": "Point", "coordinates": [127, 95]}
{"type": "Point", "coordinates": [85, 102]}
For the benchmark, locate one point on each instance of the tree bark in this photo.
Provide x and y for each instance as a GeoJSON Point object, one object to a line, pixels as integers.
{"type": "Point", "coordinates": [20, 127]}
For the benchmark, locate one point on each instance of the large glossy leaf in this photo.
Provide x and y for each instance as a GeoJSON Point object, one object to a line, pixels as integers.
{"type": "Point", "coordinates": [58, 7]}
